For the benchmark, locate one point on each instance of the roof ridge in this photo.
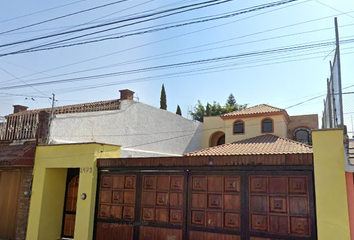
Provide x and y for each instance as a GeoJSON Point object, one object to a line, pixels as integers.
{"type": "Point", "coordinates": [253, 107]}
{"type": "Point", "coordinates": [276, 136]}
{"type": "Point", "coordinates": [66, 106]}
{"type": "Point", "coordinates": [264, 144]}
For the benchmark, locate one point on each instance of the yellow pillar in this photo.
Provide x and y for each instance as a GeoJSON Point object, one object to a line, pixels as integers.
{"type": "Point", "coordinates": [330, 185]}
{"type": "Point", "coordinates": [49, 183]}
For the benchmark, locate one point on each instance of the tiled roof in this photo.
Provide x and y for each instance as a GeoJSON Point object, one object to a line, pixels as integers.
{"type": "Point", "coordinates": [351, 150]}
{"type": "Point", "coordinates": [258, 109]}
{"type": "Point", "coordinates": [82, 107]}
{"type": "Point", "coordinates": [261, 145]}
{"type": "Point", "coordinates": [17, 155]}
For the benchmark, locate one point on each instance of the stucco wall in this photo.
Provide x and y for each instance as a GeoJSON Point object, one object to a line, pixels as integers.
{"type": "Point", "coordinates": [253, 128]}
{"type": "Point", "coordinates": [141, 130]}
{"type": "Point", "coordinates": [212, 125]}
{"type": "Point", "coordinates": [48, 190]}
{"type": "Point", "coordinates": [330, 185]}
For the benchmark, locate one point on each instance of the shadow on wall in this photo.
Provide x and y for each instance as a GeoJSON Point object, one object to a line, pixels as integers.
{"type": "Point", "coordinates": [196, 141]}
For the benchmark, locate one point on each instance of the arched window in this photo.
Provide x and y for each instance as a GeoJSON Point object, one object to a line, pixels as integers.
{"type": "Point", "coordinates": [221, 140]}
{"type": "Point", "coordinates": [239, 127]}
{"type": "Point", "coordinates": [267, 126]}
{"type": "Point", "coordinates": [217, 138]}
{"type": "Point", "coordinates": [303, 135]}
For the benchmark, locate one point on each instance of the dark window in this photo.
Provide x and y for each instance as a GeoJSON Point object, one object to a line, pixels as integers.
{"type": "Point", "coordinates": [221, 140]}
{"type": "Point", "coordinates": [267, 125]}
{"type": "Point", "coordinates": [238, 127]}
{"type": "Point", "coordinates": [302, 135]}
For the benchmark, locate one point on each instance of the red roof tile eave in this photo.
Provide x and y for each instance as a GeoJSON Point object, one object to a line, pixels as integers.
{"type": "Point", "coordinates": [262, 145]}
{"type": "Point", "coordinates": [34, 111]}
{"type": "Point", "coordinates": [17, 156]}
{"type": "Point", "coordinates": [244, 154]}
{"type": "Point", "coordinates": [284, 113]}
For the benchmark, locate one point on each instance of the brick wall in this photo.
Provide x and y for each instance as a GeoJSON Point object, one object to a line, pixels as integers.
{"type": "Point", "coordinates": [310, 121]}
{"type": "Point", "coordinates": [22, 214]}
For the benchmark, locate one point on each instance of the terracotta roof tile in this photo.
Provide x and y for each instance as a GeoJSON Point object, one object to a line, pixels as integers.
{"type": "Point", "coordinates": [82, 107]}
{"type": "Point", "coordinates": [17, 155]}
{"type": "Point", "coordinates": [351, 150]}
{"type": "Point", "coordinates": [261, 145]}
{"type": "Point", "coordinates": [258, 109]}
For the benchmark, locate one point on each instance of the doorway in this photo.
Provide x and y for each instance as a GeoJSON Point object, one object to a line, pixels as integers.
{"type": "Point", "coordinates": [72, 185]}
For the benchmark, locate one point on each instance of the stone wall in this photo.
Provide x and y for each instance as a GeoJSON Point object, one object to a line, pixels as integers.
{"type": "Point", "coordinates": [24, 201]}
{"type": "Point", "coordinates": [309, 121]}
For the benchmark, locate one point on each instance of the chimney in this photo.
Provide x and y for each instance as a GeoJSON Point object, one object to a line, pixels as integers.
{"type": "Point", "coordinates": [126, 94]}
{"type": "Point", "coordinates": [19, 108]}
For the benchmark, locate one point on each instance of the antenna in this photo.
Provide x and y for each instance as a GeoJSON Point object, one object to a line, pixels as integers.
{"type": "Point", "coordinates": [352, 126]}
{"type": "Point", "coordinates": [137, 97]}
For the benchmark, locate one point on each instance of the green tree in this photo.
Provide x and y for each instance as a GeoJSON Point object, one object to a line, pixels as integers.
{"type": "Point", "coordinates": [231, 100]}
{"type": "Point", "coordinates": [199, 112]}
{"type": "Point", "coordinates": [215, 109]}
{"type": "Point", "coordinates": [163, 101]}
{"type": "Point", "coordinates": [178, 111]}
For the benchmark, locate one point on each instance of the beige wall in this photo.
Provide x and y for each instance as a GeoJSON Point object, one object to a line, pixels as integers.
{"type": "Point", "coordinates": [310, 121]}
{"type": "Point", "coordinates": [211, 125]}
{"type": "Point", "coordinates": [253, 128]}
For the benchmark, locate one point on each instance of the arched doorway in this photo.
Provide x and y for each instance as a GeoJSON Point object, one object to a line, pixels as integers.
{"type": "Point", "coordinates": [217, 138]}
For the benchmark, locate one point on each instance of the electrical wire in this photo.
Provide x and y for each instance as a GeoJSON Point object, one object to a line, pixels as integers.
{"type": "Point", "coordinates": [197, 5]}
{"type": "Point", "coordinates": [42, 48]}
{"type": "Point", "coordinates": [64, 16]}
{"type": "Point", "coordinates": [146, 44]}
{"type": "Point", "coordinates": [42, 11]}
{"type": "Point", "coordinates": [189, 63]}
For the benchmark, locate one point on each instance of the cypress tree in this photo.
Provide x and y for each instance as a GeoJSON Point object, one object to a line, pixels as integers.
{"type": "Point", "coordinates": [178, 111]}
{"type": "Point", "coordinates": [163, 102]}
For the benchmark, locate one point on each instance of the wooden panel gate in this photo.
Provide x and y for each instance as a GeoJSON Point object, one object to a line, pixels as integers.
{"type": "Point", "coordinates": [228, 205]}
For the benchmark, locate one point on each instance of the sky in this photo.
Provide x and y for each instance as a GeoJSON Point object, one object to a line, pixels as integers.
{"type": "Point", "coordinates": [200, 50]}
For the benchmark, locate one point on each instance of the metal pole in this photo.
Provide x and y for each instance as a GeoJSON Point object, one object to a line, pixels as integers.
{"type": "Point", "coordinates": [339, 74]}
{"type": "Point", "coordinates": [50, 118]}
{"type": "Point", "coordinates": [329, 103]}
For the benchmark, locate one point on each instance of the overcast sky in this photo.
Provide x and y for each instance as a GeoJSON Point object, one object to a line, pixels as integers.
{"type": "Point", "coordinates": [205, 53]}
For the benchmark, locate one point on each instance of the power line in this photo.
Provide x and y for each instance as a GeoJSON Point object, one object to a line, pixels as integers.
{"type": "Point", "coordinates": [46, 10]}
{"type": "Point", "coordinates": [189, 63]}
{"type": "Point", "coordinates": [41, 48]}
{"type": "Point", "coordinates": [22, 81]}
{"type": "Point", "coordinates": [180, 74]}
{"type": "Point", "coordinates": [146, 44]}
{"type": "Point", "coordinates": [64, 16]}
{"type": "Point", "coordinates": [122, 10]}
{"type": "Point", "coordinates": [169, 55]}
{"type": "Point", "coordinates": [116, 22]}
{"type": "Point", "coordinates": [333, 8]}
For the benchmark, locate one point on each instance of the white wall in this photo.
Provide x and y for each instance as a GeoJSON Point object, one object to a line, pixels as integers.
{"type": "Point", "coordinates": [141, 130]}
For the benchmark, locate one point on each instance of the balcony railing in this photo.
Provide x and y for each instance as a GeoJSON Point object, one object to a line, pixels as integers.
{"type": "Point", "coordinates": [18, 127]}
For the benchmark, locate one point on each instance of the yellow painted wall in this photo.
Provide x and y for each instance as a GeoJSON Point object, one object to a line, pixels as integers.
{"type": "Point", "coordinates": [330, 185]}
{"type": "Point", "coordinates": [253, 128]}
{"type": "Point", "coordinates": [48, 189]}
{"type": "Point", "coordinates": [210, 126]}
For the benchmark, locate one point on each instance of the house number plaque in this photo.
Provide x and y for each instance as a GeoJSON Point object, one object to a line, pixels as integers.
{"type": "Point", "coordinates": [86, 170]}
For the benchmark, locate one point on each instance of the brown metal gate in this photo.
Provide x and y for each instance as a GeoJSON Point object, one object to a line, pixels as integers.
{"type": "Point", "coordinates": [10, 185]}
{"type": "Point", "coordinates": [228, 205]}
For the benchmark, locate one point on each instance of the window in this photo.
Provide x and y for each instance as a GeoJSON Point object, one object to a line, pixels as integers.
{"type": "Point", "coordinates": [302, 135]}
{"type": "Point", "coordinates": [267, 126]}
{"type": "Point", "coordinates": [221, 140]}
{"type": "Point", "coordinates": [238, 127]}
{"type": "Point", "coordinates": [217, 138]}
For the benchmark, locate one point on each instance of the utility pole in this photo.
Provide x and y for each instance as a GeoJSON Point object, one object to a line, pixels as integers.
{"type": "Point", "coordinates": [339, 74]}
{"type": "Point", "coordinates": [50, 118]}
